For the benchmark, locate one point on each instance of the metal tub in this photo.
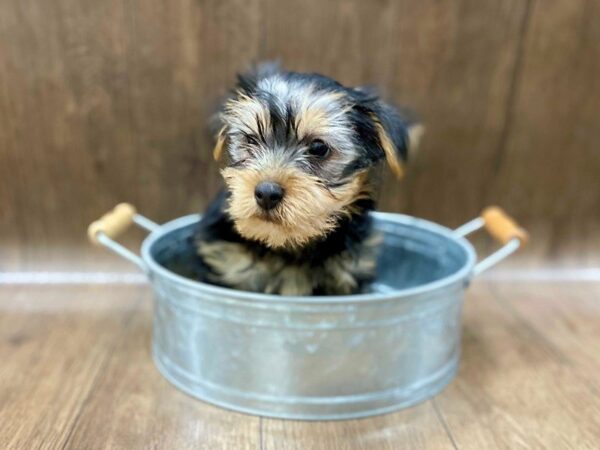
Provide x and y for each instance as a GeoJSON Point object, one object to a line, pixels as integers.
{"type": "Point", "coordinates": [330, 357]}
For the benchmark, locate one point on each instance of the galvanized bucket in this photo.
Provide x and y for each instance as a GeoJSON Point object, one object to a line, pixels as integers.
{"type": "Point", "coordinates": [334, 357]}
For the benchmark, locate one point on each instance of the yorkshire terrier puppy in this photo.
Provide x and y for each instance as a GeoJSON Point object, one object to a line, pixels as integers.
{"type": "Point", "coordinates": [294, 217]}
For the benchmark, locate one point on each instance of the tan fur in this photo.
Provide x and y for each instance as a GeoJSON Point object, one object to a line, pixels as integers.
{"type": "Point", "coordinates": [245, 112]}
{"type": "Point", "coordinates": [308, 210]}
{"type": "Point", "coordinates": [220, 145]}
{"type": "Point", "coordinates": [312, 121]}
{"type": "Point", "coordinates": [315, 115]}
{"type": "Point", "coordinates": [391, 155]}
{"type": "Point", "coordinates": [235, 265]}
{"type": "Point", "coordinates": [239, 268]}
{"type": "Point", "coordinates": [292, 280]}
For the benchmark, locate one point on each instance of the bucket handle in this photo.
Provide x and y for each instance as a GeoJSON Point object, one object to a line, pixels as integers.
{"type": "Point", "coordinates": [111, 225]}
{"type": "Point", "coordinates": [502, 228]}
{"type": "Point", "coordinates": [499, 225]}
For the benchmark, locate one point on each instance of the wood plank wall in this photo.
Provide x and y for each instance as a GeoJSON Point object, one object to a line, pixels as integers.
{"type": "Point", "coordinates": [108, 101]}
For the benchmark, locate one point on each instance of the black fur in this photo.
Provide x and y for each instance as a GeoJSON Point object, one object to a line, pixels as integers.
{"type": "Point", "coordinates": [216, 225]}
{"type": "Point", "coordinates": [365, 104]}
{"type": "Point", "coordinates": [366, 114]}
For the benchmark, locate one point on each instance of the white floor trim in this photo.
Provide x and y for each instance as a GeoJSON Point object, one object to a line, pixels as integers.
{"type": "Point", "coordinates": [508, 275]}
{"type": "Point", "coordinates": [71, 278]}
{"type": "Point", "coordinates": [544, 275]}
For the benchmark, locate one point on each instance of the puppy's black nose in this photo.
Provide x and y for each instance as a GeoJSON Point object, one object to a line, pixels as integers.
{"type": "Point", "coordinates": [268, 194]}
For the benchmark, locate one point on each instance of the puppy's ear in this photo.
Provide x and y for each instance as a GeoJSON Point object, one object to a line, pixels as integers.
{"type": "Point", "coordinates": [399, 134]}
{"type": "Point", "coordinates": [219, 145]}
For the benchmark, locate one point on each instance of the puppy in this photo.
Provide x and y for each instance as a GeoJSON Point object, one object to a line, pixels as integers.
{"type": "Point", "coordinates": [294, 217]}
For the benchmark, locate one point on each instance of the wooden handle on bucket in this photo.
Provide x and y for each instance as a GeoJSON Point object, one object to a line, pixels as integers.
{"type": "Point", "coordinates": [502, 227]}
{"type": "Point", "coordinates": [113, 223]}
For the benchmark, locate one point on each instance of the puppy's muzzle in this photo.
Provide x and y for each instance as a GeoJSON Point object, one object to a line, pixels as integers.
{"type": "Point", "coordinates": [268, 194]}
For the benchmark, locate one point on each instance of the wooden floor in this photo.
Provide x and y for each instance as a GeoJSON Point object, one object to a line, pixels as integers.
{"type": "Point", "coordinates": [76, 373]}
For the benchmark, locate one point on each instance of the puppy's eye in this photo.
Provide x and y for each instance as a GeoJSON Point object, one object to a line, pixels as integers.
{"type": "Point", "coordinates": [318, 148]}
{"type": "Point", "coordinates": [251, 140]}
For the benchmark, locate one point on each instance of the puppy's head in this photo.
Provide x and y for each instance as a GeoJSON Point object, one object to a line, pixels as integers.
{"type": "Point", "coordinates": [300, 147]}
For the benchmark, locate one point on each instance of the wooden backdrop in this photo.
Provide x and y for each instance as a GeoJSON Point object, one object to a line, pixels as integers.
{"type": "Point", "coordinates": [105, 101]}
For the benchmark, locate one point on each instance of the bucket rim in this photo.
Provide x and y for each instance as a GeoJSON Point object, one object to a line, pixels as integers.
{"type": "Point", "coordinates": [463, 274]}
